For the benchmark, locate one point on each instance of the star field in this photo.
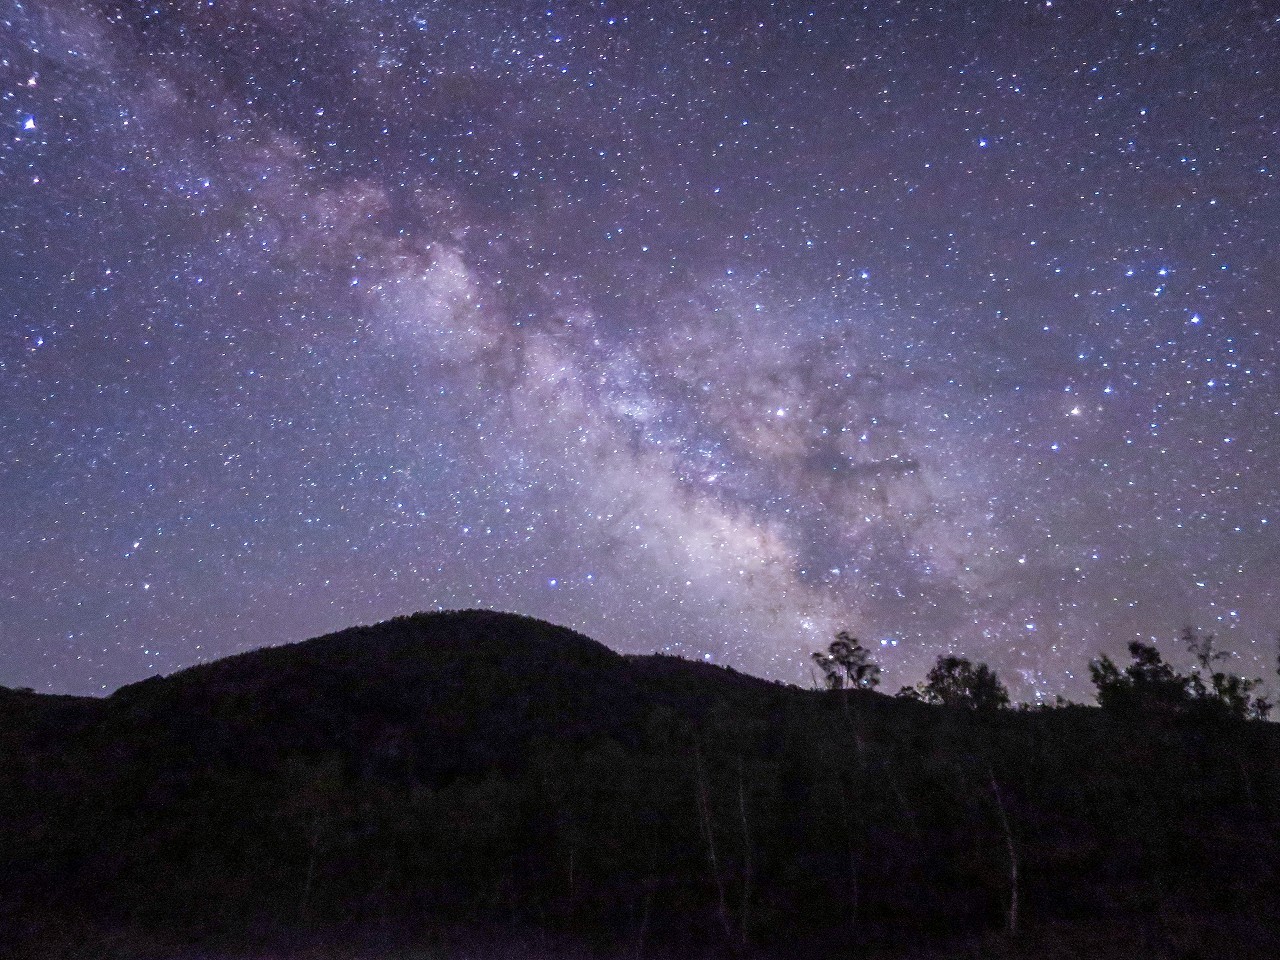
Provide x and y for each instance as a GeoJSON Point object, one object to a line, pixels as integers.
{"type": "Point", "coordinates": [701, 327]}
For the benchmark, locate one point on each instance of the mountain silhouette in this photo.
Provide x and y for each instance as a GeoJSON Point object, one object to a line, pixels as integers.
{"type": "Point", "coordinates": [478, 777]}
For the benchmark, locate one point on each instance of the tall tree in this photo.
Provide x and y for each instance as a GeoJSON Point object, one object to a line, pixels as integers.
{"type": "Point", "coordinates": [957, 682]}
{"type": "Point", "coordinates": [846, 662]}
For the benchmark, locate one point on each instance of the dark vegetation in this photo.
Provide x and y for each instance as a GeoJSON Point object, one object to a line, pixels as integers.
{"type": "Point", "coordinates": [447, 776]}
{"type": "Point", "coordinates": [1151, 686]}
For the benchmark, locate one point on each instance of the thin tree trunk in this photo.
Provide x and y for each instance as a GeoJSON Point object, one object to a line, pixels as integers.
{"type": "Point", "coordinates": [704, 813]}
{"type": "Point", "coordinates": [650, 886]}
{"type": "Point", "coordinates": [854, 720]}
{"type": "Point", "coordinates": [1244, 779]}
{"type": "Point", "coordinates": [853, 832]}
{"type": "Point", "coordinates": [644, 920]}
{"type": "Point", "coordinates": [573, 890]}
{"type": "Point", "coordinates": [311, 872]}
{"type": "Point", "coordinates": [852, 847]}
{"type": "Point", "coordinates": [747, 867]}
{"type": "Point", "coordinates": [1013, 854]}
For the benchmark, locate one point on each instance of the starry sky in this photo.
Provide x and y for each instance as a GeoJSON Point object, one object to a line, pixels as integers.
{"type": "Point", "coordinates": [704, 327]}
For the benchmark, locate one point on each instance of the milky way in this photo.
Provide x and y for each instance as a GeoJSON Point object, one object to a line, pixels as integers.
{"type": "Point", "coordinates": [709, 328]}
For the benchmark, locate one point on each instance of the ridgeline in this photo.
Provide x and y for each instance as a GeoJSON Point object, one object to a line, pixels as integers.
{"type": "Point", "coordinates": [485, 778]}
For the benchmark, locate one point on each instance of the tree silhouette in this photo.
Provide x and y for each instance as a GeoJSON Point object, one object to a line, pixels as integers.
{"type": "Point", "coordinates": [956, 682]}
{"type": "Point", "coordinates": [1150, 685]}
{"type": "Point", "coordinates": [847, 662]}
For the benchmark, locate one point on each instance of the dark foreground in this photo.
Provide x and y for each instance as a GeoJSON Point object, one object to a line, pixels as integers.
{"type": "Point", "coordinates": [481, 786]}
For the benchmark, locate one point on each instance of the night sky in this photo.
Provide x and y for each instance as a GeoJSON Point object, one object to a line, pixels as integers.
{"type": "Point", "coordinates": [709, 328]}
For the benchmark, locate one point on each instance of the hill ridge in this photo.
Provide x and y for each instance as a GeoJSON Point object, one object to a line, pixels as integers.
{"type": "Point", "coordinates": [496, 773]}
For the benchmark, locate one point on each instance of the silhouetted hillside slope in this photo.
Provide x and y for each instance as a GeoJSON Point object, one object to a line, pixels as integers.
{"type": "Point", "coordinates": [491, 773]}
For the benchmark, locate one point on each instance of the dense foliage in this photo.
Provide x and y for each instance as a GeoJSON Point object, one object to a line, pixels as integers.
{"type": "Point", "coordinates": [1150, 685]}
{"type": "Point", "coordinates": [957, 682]}
{"type": "Point", "coordinates": [493, 774]}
